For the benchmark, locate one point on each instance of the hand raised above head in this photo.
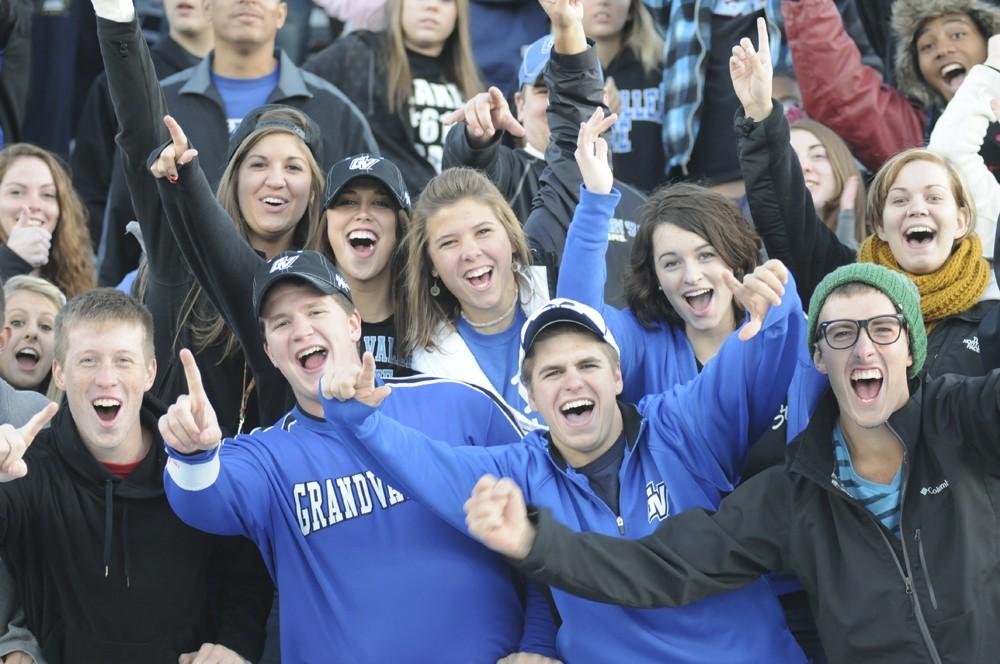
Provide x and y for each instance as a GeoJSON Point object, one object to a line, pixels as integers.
{"type": "Point", "coordinates": [752, 74]}
{"type": "Point", "coordinates": [592, 152]}
{"type": "Point", "coordinates": [190, 424]}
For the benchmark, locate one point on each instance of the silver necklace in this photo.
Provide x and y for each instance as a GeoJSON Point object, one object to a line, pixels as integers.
{"type": "Point", "coordinates": [491, 323]}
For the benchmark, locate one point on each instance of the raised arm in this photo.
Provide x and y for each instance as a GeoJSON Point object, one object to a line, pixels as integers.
{"type": "Point", "coordinates": [781, 206]}
{"type": "Point", "coordinates": [849, 97]}
{"type": "Point", "coordinates": [747, 381]}
{"type": "Point", "coordinates": [691, 556]}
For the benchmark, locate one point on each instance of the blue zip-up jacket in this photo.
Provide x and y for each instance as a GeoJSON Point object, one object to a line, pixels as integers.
{"type": "Point", "coordinates": [364, 573]}
{"type": "Point", "coordinates": [683, 447]}
{"type": "Point", "coordinates": [653, 360]}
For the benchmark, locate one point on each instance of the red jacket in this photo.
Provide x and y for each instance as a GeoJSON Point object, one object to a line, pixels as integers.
{"type": "Point", "coordinates": [875, 119]}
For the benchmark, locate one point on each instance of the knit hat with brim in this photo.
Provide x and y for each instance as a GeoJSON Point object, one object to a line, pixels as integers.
{"type": "Point", "coordinates": [896, 286]}
{"type": "Point", "coordinates": [908, 16]}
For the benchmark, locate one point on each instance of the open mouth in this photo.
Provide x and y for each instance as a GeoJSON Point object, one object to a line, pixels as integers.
{"type": "Point", "coordinates": [27, 359]}
{"type": "Point", "coordinates": [480, 278]}
{"type": "Point", "coordinates": [919, 236]}
{"type": "Point", "coordinates": [866, 383]}
{"type": "Point", "coordinates": [106, 409]}
{"type": "Point", "coordinates": [312, 358]}
{"type": "Point", "coordinates": [274, 202]}
{"type": "Point", "coordinates": [577, 411]}
{"type": "Point", "coordinates": [953, 75]}
{"type": "Point", "coordinates": [700, 301]}
{"type": "Point", "coordinates": [362, 242]}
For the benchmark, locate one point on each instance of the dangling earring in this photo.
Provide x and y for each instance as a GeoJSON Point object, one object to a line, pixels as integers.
{"type": "Point", "coordinates": [435, 290]}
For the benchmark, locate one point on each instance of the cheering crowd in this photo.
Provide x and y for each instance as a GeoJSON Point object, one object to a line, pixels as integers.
{"type": "Point", "coordinates": [500, 331]}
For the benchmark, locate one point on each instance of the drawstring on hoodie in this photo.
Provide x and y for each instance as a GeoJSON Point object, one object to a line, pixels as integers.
{"type": "Point", "coordinates": [109, 513]}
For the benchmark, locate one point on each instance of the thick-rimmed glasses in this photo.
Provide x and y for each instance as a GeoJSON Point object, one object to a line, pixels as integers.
{"type": "Point", "coordinates": [842, 334]}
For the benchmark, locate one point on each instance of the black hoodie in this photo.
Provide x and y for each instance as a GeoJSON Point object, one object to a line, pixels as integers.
{"type": "Point", "coordinates": [107, 572]}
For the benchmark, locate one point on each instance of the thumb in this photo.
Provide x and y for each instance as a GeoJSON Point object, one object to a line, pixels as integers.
{"type": "Point", "coordinates": [849, 193]}
{"type": "Point", "coordinates": [38, 422]}
{"type": "Point", "coordinates": [995, 107]}
{"type": "Point", "coordinates": [22, 218]}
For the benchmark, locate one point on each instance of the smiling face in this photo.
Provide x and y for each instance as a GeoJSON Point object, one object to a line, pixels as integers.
{"type": "Point", "coordinates": [690, 271]}
{"type": "Point", "coordinates": [816, 167]}
{"type": "Point", "coordinates": [574, 385]}
{"type": "Point", "coordinates": [471, 254]}
{"type": "Point", "coordinates": [274, 186]}
{"type": "Point", "coordinates": [603, 19]}
{"type": "Point", "coordinates": [28, 183]}
{"type": "Point", "coordinates": [868, 379]}
{"type": "Point", "coordinates": [305, 332]}
{"type": "Point", "coordinates": [427, 24]}
{"type": "Point", "coordinates": [947, 48]}
{"type": "Point", "coordinates": [921, 220]}
{"type": "Point", "coordinates": [26, 359]}
{"type": "Point", "coordinates": [247, 23]}
{"type": "Point", "coordinates": [105, 374]}
{"type": "Point", "coordinates": [361, 228]}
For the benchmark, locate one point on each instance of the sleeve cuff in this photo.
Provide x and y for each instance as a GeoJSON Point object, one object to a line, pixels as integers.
{"type": "Point", "coordinates": [193, 472]}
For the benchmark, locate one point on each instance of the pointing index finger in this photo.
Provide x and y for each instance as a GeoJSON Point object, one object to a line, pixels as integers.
{"type": "Point", "coordinates": [763, 40]}
{"type": "Point", "coordinates": [192, 375]}
{"type": "Point", "coordinates": [177, 135]}
{"type": "Point", "coordinates": [38, 422]}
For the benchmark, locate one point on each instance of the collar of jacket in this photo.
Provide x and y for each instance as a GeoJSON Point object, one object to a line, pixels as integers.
{"type": "Point", "coordinates": [631, 426]}
{"type": "Point", "coordinates": [145, 482]}
{"type": "Point", "coordinates": [811, 452]}
{"type": "Point", "coordinates": [291, 84]}
{"type": "Point", "coordinates": [172, 55]}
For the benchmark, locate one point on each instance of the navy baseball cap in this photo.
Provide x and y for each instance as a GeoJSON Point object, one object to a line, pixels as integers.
{"type": "Point", "coordinates": [309, 266]}
{"type": "Point", "coordinates": [366, 166]}
{"type": "Point", "coordinates": [534, 61]}
{"type": "Point", "coordinates": [308, 134]}
{"type": "Point", "coordinates": [563, 310]}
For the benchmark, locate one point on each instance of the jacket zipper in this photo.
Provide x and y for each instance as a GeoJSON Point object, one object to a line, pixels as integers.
{"type": "Point", "coordinates": [923, 565]}
{"type": "Point", "coordinates": [908, 575]}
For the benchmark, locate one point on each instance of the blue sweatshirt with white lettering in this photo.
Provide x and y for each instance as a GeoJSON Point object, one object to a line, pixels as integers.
{"type": "Point", "coordinates": [364, 573]}
{"type": "Point", "coordinates": [683, 447]}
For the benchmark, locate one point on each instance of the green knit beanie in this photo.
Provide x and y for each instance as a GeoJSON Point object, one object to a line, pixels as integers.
{"type": "Point", "coordinates": [896, 286]}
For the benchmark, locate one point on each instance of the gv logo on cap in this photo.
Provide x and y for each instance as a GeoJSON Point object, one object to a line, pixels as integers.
{"type": "Point", "coordinates": [283, 263]}
{"type": "Point", "coordinates": [363, 163]}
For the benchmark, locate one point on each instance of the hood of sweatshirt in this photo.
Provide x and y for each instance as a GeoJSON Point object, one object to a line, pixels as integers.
{"type": "Point", "coordinates": [908, 16]}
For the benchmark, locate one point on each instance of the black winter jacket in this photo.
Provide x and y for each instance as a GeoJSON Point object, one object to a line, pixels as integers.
{"type": "Point", "coordinates": [196, 105]}
{"type": "Point", "coordinates": [784, 215]}
{"type": "Point", "coordinates": [931, 596]}
{"type": "Point", "coordinates": [576, 88]}
{"type": "Point", "coordinates": [354, 64]}
{"type": "Point", "coordinates": [106, 571]}
{"type": "Point", "coordinates": [138, 102]}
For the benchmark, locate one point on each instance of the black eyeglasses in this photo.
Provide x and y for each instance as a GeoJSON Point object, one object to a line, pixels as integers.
{"type": "Point", "coordinates": [842, 334]}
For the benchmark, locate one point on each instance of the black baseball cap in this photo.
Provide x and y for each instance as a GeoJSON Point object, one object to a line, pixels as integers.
{"type": "Point", "coordinates": [310, 133]}
{"type": "Point", "coordinates": [310, 266]}
{"type": "Point", "coordinates": [366, 166]}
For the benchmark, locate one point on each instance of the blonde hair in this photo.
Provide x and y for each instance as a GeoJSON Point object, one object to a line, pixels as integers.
{"type": "Point", "coordinates": [843, 166]}
{"type": "Point", "coordinates": [50, 292]}
{"type": "Point", "coordinates": [878, 193]}
{"type": "Point", "coordinates": [641, 36]}
{"type": "Point", "coordinates": [71, 260]}
{"type": "Point", "coordinates": [197, 313]}
{"type": "Point", "coordinates": [457, 62]}
{"type": "Point", "coordinates": [418, 313]}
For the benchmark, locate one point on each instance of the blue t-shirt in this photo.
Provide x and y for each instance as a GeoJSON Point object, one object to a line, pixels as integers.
{"type": "Point", "coordinates": [882, 500]}
{"type": "Point", "coordinates": [242, 95]}
{"type": "Point", "coordinates": [497, 355]}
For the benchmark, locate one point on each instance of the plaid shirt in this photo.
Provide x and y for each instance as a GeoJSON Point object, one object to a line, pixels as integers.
{"type": "Point", "coordinates": [687, 27]}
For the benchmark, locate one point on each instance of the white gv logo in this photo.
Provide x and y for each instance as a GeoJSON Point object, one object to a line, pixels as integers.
{"type": "Point", "coordinates": [283, 263]}
{"type": "Point", "coordinates": [656, 501]}
{"type": "Point", "coordinates": [362, 163]}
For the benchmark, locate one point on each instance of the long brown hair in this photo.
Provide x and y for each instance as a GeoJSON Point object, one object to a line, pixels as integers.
{"type": "Point", "coordinates": [843, 165]}
{"type": "Point", "coordinates": [418, 313]}
{"type": "Point", "coordinates": [71, 259]}
{"type": "Point", "coordinates": [710, 216]}
{"type": "Point", "coordinates": [197, 313]}
{"type": "Point", "coordinates": [456, 56]}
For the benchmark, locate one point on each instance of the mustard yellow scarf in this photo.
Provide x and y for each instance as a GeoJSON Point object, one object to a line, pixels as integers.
{"type": "Point", "coordinates": [952, 289]}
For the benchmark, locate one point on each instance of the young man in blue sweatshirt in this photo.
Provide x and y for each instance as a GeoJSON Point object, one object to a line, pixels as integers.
{"type": "Point", "coordinates": [364, 573]}
{"type": "Point", "coordinates": [617, 469]}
